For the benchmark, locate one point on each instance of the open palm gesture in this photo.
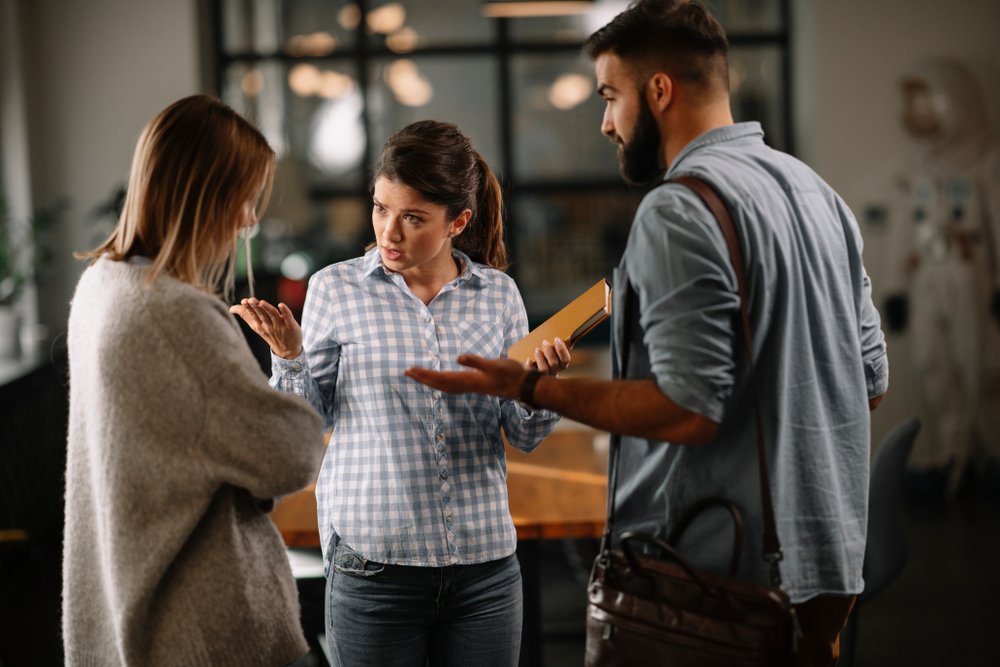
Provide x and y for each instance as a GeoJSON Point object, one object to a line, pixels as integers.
{"type": "Point", "coordinates": [277, 326]}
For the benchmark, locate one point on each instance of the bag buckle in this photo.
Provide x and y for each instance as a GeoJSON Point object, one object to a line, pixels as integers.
{"type": "Point", "coordinates": [773, 558]}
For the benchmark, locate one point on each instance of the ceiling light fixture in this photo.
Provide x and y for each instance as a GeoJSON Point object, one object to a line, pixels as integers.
{"type": "Point", "coordinates": [526, 8]}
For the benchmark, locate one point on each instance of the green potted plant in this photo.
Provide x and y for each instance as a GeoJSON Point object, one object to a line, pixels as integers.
{"type": "Point", "coordinates": [24, 250]}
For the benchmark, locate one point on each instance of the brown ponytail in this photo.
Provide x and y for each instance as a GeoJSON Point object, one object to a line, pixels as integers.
{"type": "Point", "coordinates": [486, 225]}
{"type": "Point", "coordinates": [439, 162]}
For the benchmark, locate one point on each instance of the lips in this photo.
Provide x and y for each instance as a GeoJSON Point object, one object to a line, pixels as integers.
{"type": "Point", "coordinates": [391, 254]}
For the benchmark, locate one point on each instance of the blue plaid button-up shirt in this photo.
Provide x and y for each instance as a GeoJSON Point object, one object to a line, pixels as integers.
{"type": "Point", "coordinates": [412, 476]}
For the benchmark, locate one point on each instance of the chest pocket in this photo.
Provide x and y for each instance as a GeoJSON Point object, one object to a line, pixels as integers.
{"type": "Point", "coordinates": [480, 337]}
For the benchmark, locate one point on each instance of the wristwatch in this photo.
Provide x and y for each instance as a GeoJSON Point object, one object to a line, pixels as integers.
{"type": "Point", "coordinates": [528, 386]}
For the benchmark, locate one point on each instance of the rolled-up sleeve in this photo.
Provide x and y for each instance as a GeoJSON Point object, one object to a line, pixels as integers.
{"type": "Point", "coordinates": [873, 349]}
{"type": "Point", "coordinates": [313, 374]}
{"type": "Point", "coordinates": [679, 266]}
{"type": "Point", "coordinates": [524, 428]}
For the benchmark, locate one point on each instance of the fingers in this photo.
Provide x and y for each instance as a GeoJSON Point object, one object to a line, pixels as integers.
{"type": "Point", "coordinates": [541, 360]}
{"type": "Point", "coordinates": [277, 326]}
{"type": "Point", "coordinates": [474, 361]}
{"type": "Point", "coordinates": [562, 351]}
{"type": "Point", "coordinates": [496, 377]}
{"type": "Point", "coordinates": [262, 316]}
{"type": "Point", "coordinates": [551, 358]}
{"type": "Point", "coordinates": [248, 315]}
{"type": "Point", "coordinates": [264, 311]}
{"type": "Point", "coordinates": [448, 382]}
{"type": "Point", "coordinates": [498, 370]}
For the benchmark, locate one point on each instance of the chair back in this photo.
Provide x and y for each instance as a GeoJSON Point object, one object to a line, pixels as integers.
{"type": "Point", "coordinates": [885, 553]}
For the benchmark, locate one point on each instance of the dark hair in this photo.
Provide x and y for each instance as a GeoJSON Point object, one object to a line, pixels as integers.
{"type": "Point", "coordinates": [678, 37]}
{"type": "Point", "coordinates": [439, 162]}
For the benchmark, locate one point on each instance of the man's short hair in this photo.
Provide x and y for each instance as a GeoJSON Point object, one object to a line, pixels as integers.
{"type": "Point", "coordinates": [678, 37]}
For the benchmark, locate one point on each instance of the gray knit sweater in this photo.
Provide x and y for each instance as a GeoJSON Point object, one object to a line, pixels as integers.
{"type": "Point", "coordinates": [174, 436]}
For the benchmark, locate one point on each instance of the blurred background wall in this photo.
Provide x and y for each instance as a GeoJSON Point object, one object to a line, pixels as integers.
{"type": "Point", "coordinates": [92, 73]}
{"type": "Point", "coordinates": [849, 56]}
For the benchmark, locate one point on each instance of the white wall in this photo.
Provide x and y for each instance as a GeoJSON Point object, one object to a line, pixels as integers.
{"type": "Point", "coordinates": [848, 55]}
{"type": "Point", "coordinates": [95, 72]}
{"type": "Point", "coordinates": [15, 184]}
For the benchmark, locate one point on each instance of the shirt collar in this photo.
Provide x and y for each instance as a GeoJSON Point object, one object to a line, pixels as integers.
{"type": "Point", "coordinates": [472, 272]}
{"type": "Point", "coordinates": [727, 133]}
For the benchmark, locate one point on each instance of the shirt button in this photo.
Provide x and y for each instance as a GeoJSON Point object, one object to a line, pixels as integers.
{"type": "Point", "coordinates": [440, 437]}
{"type": "Point", "coordinates": [443, 474]}
{"type": "Point", "coordinates": [296, 367]}
{"type": "Point", "coordinates": [427, 318]}
{"type": "Point", "coordinates": [437, 395]}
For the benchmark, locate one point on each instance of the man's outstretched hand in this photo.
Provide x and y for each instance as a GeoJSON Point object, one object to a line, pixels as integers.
{"type": "Point", "coordinates": [496, 377]}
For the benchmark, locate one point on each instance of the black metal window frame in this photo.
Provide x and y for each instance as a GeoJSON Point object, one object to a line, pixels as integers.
{"type": "Point", "coordinates": [503, 48]}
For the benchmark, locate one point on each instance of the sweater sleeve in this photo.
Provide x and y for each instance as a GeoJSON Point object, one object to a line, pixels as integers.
{"type": "Point", "coordinates": [252, 436]}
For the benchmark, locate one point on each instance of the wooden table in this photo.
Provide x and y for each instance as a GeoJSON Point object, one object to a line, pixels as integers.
{"type": "Point", "coordinates": [556, 492]}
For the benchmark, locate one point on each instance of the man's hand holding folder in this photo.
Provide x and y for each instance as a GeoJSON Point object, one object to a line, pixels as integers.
{"type": "Point", "coordinates": [507, 377]}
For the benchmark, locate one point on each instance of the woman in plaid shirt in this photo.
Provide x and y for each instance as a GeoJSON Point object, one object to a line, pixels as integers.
{"type": "Point", "coordinates": [413, 514]}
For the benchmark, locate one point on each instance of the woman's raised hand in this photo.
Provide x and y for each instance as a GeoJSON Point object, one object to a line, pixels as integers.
{"type": "Point", "coordinates": [277, 326]}
{"type": "Point", "coordinates": [550, 358]}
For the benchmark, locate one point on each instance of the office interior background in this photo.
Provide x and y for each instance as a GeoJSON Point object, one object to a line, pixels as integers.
{"type": "Point", "coordinates": [328, 80]}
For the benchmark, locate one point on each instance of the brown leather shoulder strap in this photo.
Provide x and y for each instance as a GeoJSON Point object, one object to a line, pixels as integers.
{"type": "Point", "coordinates": [711, 198]}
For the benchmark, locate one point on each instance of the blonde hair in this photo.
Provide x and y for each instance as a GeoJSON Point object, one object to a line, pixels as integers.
{"type": "Point", "coordinates": [196, 165]}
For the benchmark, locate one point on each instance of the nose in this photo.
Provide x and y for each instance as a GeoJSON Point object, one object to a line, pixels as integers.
{"type": "Point", "coordinates": [607, 124]}
{"type": "Point", "coordinates": [391, 231]}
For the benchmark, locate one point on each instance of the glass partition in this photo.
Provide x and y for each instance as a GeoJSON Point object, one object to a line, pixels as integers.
{"type": "Point", "coordinates": [328, 81]}
{"type": "Point", "coordinates": [404, 26]}
{"type": "Point", "coordinates": [557, 119]}
{"type": "Point", "coordinates": [461, 91]}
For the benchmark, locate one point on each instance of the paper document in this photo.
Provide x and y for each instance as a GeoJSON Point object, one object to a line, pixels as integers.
{"type": "Point", "coordinates": [571, 323]}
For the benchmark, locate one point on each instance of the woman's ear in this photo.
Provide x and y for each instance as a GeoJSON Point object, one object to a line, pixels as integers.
{"type": "Point", "coordinates": [458, 224]}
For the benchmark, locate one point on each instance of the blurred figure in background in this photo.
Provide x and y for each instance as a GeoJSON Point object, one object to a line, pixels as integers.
{"type": "Point", "coordinates": [944, 227]}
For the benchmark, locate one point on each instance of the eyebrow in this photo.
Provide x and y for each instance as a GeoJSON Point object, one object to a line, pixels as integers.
{"type": "Point", "coordinates": [406, 210]}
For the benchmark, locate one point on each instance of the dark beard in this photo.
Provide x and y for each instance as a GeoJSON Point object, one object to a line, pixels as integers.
{"type": "Point", "coordinates": [639, 159]}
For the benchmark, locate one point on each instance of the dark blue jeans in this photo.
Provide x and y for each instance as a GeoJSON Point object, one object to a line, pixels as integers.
{"type": "Point", "coordinates": [399, 616]}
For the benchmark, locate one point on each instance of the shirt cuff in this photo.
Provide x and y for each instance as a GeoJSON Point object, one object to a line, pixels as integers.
{"type": "Point", "coordinates": [528, 414]}
{"type": "Point", "coordinates": [877, 377]}
{"type": "Point", "coordinates": [285, 367]}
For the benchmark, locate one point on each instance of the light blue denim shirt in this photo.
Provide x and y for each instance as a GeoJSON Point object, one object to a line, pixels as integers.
{"type": "Point", "coordinates": [819, 352]}
{"type": "Point", "coordinates": [411, 476]}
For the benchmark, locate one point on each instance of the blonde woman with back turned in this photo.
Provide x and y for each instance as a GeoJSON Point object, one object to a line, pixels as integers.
{"type": "Point", "coordinates": [176, 441]}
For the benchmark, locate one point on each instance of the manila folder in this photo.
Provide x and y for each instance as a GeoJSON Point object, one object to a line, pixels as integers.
{"type": "Point", "coordinates": [571, 323]}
